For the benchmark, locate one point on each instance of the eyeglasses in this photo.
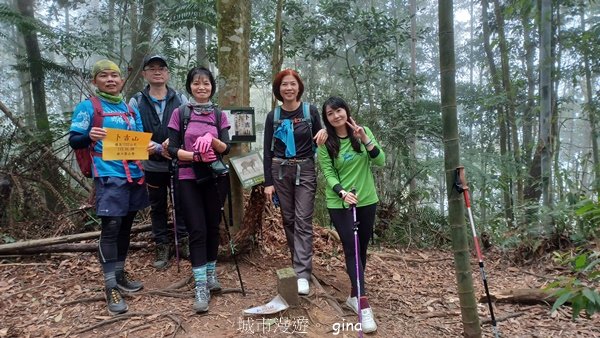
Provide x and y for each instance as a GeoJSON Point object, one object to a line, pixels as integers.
{"type": "Point", "coordinates": [156, 69]}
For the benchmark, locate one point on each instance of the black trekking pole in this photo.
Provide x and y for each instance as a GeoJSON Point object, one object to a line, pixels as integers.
{"type": "Point", "coordinates": [173, 205]}
{"type": "Point", "coordinates": [461, 186]}
{"type": "Point", "coordinates": [229, 205]}
{"type": "Point", "coordinates": [356, 258]}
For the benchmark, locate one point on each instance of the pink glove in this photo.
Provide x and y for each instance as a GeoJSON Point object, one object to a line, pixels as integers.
{"type": "Point", "coordinates": [208, 156]}
{"type": "Point", "coordinates": [203, 143]}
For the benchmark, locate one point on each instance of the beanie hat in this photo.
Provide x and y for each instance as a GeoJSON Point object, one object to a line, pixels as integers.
{"type": "Point", "coordinates": [104, 65]}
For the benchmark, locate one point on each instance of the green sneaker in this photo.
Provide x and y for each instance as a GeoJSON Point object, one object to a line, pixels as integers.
{"type": "Point", "coordinates": [161, 261]}
{"type": "Point", "coordinates": [125, 284]}
{"type": "Point", "coordinates": [116, 303]}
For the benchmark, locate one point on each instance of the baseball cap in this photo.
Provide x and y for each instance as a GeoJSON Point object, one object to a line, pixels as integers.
{"type": "Point", "coordinates": [152, 58]}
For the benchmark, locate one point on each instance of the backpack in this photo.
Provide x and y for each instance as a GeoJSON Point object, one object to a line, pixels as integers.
{"type": "Point", "coordinates": [277, 121]}
{"type": "Point", "coordinates": [185, 114]}
{"type": "Point", "coordinates": [85, 156]}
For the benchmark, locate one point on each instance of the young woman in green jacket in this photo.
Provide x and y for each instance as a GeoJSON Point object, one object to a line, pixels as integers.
{"type": "Point", "coordinates": [346, 159]}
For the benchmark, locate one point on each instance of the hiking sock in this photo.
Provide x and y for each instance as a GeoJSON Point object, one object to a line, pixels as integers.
{"type": "Point", "coordinates": [364, 303]}
{"type": "Point", "coordinates": [210, 268]}
{"type": "Point", "coordinates": [200, 274]}
{"type": "Point", "coordinates": [119, 267]}
{"type": "Point", "coordinates": [110, 279]}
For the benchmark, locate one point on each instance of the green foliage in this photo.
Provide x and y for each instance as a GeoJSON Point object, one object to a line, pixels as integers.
{"type": "Point", "coordinates": [580, 289]}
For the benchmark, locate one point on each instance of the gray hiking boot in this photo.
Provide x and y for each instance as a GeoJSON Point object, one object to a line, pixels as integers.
{"type": "Point", "coordinates": [116, 303]}
{"type": "Point", "coordinates": [184, 247]}
{"type": "Point", "coordinates": [212, 283]}
{"type": "Point", "coordinates": [125, 284]}
{"type": "Point", "coordinates": [162, 256]}
{"type": "Point", "coordinates": [202, 298]}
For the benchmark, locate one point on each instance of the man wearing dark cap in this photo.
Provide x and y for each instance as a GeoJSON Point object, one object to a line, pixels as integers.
{"type": "Point", "coordinates": [156, 104]}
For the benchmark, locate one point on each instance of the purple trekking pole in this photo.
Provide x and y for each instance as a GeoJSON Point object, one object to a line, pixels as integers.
{"type": "Point", "coordinates": [356, 258]}
{"type": "Point", "coordinates": [172, 194]}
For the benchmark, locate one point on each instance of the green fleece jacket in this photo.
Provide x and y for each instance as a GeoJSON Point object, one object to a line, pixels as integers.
{"type": "Point", "coordinates": [350, 169]}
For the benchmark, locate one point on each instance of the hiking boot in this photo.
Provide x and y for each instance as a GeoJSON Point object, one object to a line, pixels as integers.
{"type": "Point", "coordinates": [184, 248]}
{"type": "Point", "coordinates": [367, 319]}
{"type": "Point", "coordinates": [352, 303]}
{"type": "Point", "coordinates": [162, 256]}
{"type": "Point", "coordinates": [202, 298]}
{"type": "Point", "coordinates": [212, 283]}
{"type": "Point", "coordinates": [116, 303]}
{"type": "Point", "coordinates": [125, 284]}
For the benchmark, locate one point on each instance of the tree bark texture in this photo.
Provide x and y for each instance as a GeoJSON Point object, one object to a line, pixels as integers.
{"type": "Point", "coordinates": [141, 42]}
{"type": "Point", "coordinates": [277, 53]}
{"type": "Point", "coordinates": [456, 217]}
{"type": "Point", "coordinates": [546, 99]}
{"type": "Point", "coordinates": [233, 29]}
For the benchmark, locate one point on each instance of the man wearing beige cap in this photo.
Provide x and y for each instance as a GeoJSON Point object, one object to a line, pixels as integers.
{"type": "Point", "coordinates": [156, 104]}
{"type": "Point", "coordinates": [120, 187]}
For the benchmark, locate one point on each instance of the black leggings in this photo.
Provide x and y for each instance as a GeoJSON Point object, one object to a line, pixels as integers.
{"type": "Point", "coordinates": [200, 205]}
{"type": "Point", "coordinates": [343, 220]}
{"type": "Point", "coordinates": [114, 237]}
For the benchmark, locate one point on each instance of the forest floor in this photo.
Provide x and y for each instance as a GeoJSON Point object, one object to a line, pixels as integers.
{"type": "Point", "coordinates": [412, 292]}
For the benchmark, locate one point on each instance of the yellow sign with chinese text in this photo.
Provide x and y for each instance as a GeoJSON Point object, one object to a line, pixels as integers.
{"type": "Point", "coordinates": [122, 144]}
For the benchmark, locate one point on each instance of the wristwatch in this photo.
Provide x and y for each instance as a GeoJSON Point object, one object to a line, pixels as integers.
{"type": "Point", "coordinates": [342, 194]}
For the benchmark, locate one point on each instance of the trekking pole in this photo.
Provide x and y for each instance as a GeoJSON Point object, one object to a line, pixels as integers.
{"type": "Point", "coordinates": [461, 186]}
{"type": "Point", "coordinates": [229, 205]}
{"type": "Point", "coordinates": [172, 194]}
{"type": "Point", "coordinates": [356, 258]}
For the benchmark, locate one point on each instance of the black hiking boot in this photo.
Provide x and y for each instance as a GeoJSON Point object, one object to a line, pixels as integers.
{"type": "Point", "coordinates": [184, 247]}
{"type": "Point", "coordinates": [161, 261]}
{"type": "Point", "coordinates": [116, 303]}
{"type": "Point", "coordinates": [125, 284]}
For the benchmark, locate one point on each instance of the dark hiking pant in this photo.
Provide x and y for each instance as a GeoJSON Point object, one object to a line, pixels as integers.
{"type": "Point", "coordinates": [343, 221]}
{"type": "Point", "coordinates": [158, 184]}
{"type": "Point", "coordinates": [201, 207]}
{"type": "Point", "coordinates": [296, 184]}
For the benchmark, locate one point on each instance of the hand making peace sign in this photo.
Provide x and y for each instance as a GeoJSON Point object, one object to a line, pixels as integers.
{"type": "Point", "coordinates": [359, 132]}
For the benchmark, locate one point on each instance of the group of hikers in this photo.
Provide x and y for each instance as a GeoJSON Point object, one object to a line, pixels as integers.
{"type": "Point", "coordinates": [186, 155]}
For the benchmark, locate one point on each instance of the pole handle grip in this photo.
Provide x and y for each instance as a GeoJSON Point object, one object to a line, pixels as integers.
{"type": "Point", "coordinates": [461, 179]}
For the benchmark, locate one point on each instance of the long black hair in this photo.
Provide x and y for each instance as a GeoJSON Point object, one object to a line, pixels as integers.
{"type": "Point", "coordinates": [333, 140]}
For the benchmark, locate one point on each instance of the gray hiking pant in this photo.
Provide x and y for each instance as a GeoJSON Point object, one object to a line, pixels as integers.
{"type": "Point", "coordinates": [296, 184]}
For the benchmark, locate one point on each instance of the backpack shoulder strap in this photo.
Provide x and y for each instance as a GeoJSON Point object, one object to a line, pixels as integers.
{"type": "Point", "coordinates": [306, 111]}
{"type": "Point", "coordinates": [138, 99]}
{"type": "Point", "coordinates": [98, 116]}
{"type": "Point", "coordinates": [218, 114]}
{"type": "Point", "coordinates": [184, 120]}
{"type": "Point", "coordinates": [276, 123]}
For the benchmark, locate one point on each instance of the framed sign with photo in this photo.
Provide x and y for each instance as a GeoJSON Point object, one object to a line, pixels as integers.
{"type": "Point", "coordinates": [242, 124]}
{"type": "Point", "coordinates": [249, 168]}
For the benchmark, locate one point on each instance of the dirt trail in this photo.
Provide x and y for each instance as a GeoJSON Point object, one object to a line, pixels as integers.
{"type": "Point", "coordinates": [413, 294]}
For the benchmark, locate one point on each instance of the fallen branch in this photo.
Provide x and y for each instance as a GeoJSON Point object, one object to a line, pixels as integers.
{"type": "Point", "coordinates": [70, 247]}
{"type": "Point", "coordinates": [12, 247]}
{"type": "Point", "coordinates": [413, 260]}
{"type": "Point", "coordinates": [114, 320]}
{"type": "Point", "coordinates": [523, 296]}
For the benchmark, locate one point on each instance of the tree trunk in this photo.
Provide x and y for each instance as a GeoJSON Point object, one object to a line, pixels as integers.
{"type": "Point", "coordinates": [504, 177]}
{"type": "Point", "coordinates": [201, 45]}
{"type": "Point", "coordinates": [277, 53]}
{"type": "Point", "coordinates": [36, 71]}
{"type": "Point", "coordinates": [590, 107]}
{"type": "Point", "coordinates": [141, 42]}
{"type": "Point", "coordinates": [456, 217]}
{"type": "Point", "coordinates": [412, 140]}
{"type": "Point", "coordinates": [556, 55]}
{"type": "Point", "coordinates": [528, 114]}
{"type": "Point", "coordinates": [546, 100]}
{"type": "Point", "coordinates": [233, 29]}
{"type": "Point", "coordinates": [510, 99]}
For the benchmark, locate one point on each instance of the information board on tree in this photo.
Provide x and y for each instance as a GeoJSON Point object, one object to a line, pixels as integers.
{"type": "Point", "coordinates": [122, 144]}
